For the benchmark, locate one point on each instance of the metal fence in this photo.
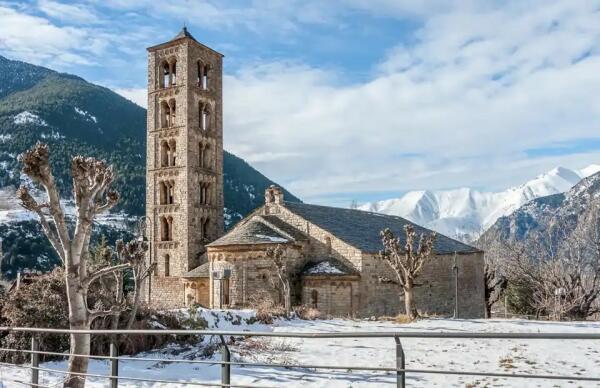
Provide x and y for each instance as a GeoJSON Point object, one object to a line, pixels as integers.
{"type": "Point", "coordinates": [400, 371]}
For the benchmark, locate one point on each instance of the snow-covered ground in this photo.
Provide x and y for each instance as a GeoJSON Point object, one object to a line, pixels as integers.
{"type": "Point", "coordinates": [575, 357]}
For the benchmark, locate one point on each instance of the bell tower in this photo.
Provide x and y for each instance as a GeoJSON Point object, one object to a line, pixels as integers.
{"type": "Point", "coordinates": [184, 172]}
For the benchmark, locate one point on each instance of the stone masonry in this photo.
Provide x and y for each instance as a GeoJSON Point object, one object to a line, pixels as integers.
{"type": "Point", "coordinates": [184, 185]}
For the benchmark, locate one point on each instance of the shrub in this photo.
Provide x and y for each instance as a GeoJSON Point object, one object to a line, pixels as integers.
{"type": "Point", "coordinates": [43, 304]}
{"type": "Point", "coordinates": [266, 308]}
{"type": "Point", "coordinates": [307, 313]}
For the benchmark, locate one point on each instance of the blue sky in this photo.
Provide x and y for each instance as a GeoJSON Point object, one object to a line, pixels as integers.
{"type": "Point", "coordinates": [356, 99]}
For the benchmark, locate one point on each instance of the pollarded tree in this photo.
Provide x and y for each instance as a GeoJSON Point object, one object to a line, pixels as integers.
{"type": "Point", "coordinates": [93, 195]}
{"type": "Point", "coordinates": [407, 261]}
{"type": "Point", "coordinates": [277, 257]}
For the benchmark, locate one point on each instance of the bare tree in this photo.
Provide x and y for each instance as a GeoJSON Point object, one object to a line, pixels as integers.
{"type": "Point", "coordinates": [562, 270]}
{"type": "Point", "coordinates": [495, 280]}
{"type": "Point", "coordinates": [407, 262]}
{"type": "Point", "coordinates": [93, 195]}
{"type": "Point", "coordinates": [495, 284]}
{"type": "Point", "coordinates": [277, 257]}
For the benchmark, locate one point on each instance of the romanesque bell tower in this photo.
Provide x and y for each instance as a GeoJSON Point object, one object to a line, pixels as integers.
{"type": "Point", "coordinates": [184, 176]}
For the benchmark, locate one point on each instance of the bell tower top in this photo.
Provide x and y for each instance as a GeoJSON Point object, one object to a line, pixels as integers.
{"type": "Point", "coordinates": [183, 35]}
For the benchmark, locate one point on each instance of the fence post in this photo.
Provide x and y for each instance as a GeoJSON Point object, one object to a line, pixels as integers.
{"type": "Point", "coordinates": [400, 376]}
{"type": "Point", "coordinates": [35, 361]}
{"type": "Point", "coordinates": [226, 367]}
{"type": "Point", "coordinates": [114, 364]}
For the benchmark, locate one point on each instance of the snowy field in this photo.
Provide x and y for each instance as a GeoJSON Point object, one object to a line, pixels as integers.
{"type": "Point", "coordinates": [574, 357]}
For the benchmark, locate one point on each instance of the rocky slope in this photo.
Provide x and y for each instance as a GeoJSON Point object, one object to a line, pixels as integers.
{"type": "Point", "coordinates": [553, 217]}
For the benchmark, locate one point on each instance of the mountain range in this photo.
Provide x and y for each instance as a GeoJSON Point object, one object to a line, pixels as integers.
{"type": "Point", "coordinates": [76, 117]}
{"type": "Point", "coordinates": [551, 220]}
{"type": "Point", "coordinates": [466, 213]}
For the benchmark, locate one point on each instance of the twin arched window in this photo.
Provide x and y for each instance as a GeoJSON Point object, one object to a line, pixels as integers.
{"type": "Point", "coordinates": [167, 192]}
{"type": "Point", "coordinates": [168, 113]}
{"type": "Point", "coordinates": [203, 75]}
{"type": "Point", "coordinates": [204, 116]}
{"type": "Point", "coordinates": [168, 73]}
{"type": "Point", "coordinates": [168, 153]}
{"type": "Point", "coordinates": [204, 155]}
{"type": "Point", "coordinates": [166, 228]}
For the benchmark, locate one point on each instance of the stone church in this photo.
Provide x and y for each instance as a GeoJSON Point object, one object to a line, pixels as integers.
{"type": "Point", "coordinates": [331, 252]}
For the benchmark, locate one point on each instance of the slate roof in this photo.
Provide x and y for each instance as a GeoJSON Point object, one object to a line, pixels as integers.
{"type": "Point", "coordinates": [260, 230]}
{"type": "Point", "coordinates": [328, 267]}
{"type": "Point", "coordinates": [200, 271]}
{"type": "Point", "coordinates": [184, 33]}
{"type": "Point", "coordinates": [361, 228]}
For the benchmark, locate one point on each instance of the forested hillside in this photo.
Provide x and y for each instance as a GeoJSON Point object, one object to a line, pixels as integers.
{"type": "Point", "coordinates": [77, 117]}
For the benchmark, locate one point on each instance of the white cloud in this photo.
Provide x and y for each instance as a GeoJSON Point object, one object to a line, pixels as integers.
{"type": "Point", "coordinates": [136, 95]}
{"type": "Point", "coordinates": [459, 107]}
{"type": "Point", "coordinates": [71, 13]}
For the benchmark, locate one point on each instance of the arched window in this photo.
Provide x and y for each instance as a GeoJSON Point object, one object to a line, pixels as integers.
{"type": "Point", "coordinates": [201, 154]}
{"type": "Point", "coordinates": [170, 192]}
{"type": "Point", "coordinates": [204, 224]}
{"type": "Point", "coordinates": [172, 153]}
{"type": "Point", "coordinates": [172, 111]}
{"type": "Point", "coordinates": [167, 265]}
{"type": "Point", "coordinates": [314, 298]}
{"type": "Point", "coordinates": [165, 74]}
{"type": "Point", "coordinates": [205, 117]}
{"type": "Point", "coordinates": [164, 229]}
{"type": "Point", "coordinates": [205, 193]}
{"type": "Point", "coordinates": [165, 114]}
{"type": "Point", "coordinates": [205, 77]}
{"type": "Point", "coordinates": [206, 157]}
{"type": "Point", "coordinates": [165, 151]}
{"type": "Point", "coordinates": [328, 245]}
{"type": "Point", "coordinates": [173, 72]}
{"type": "Point", "coordinates": [163, 193]}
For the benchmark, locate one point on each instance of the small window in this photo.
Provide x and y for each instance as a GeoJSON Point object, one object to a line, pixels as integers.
{"type": "Point", "coordinates": [167, 266]}
{"type": "Point", "coordinates": [225, 283]}
{"type": "Point", "coordinates": [328, 245]}
{"type": "Point", "coordinates": [314, 298]}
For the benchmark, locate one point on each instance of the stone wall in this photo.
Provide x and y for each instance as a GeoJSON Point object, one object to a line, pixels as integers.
{"type": "Point", "coordinates": [252, 274]}
{"type": "Point", "coordinates": [197, 291]}
{"type": "Point", "coordinates": [436, 295]}
{"type": "Point", "coordinates": [336, 296]}
{"type": "Point", "coordinates": [188, 213]}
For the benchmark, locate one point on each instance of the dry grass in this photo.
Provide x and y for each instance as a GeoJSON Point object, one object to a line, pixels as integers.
{"type": "Point", "coordinates": [400, 319]}
{"type": "Point", "coordinates": [307, 313]}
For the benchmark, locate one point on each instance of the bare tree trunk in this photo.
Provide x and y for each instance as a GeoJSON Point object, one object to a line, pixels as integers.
{"type": "Point", "coordinates": [287, 300]}
{"type": "Point", "coordinates": [409, 300]}
{"type": "Point", "coordinates": [78, 320]}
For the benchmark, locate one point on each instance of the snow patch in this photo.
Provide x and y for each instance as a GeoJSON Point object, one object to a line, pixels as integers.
{"type": "Point", "coordinates": [5, 138]}
{"type": "Point", "coordinates": [557, 357]}
{"type": "Point", "coordinates": [271, 238]}
{"type": "Point", "coordinates": [87, 115]}
{"type": "Point", "coordinates": [324, 267]}
{"type": "Point", "coordinates": [26, 117]}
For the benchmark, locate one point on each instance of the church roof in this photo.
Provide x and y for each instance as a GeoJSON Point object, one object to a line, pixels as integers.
{"type": "Point", "coordinates": [260, 230]}
{"type": "Point", "coordinates": [328, 267]}
{"type": "Point", "coordinates": [361, 229]}
{"type": "Point", "coordinates": [201, 271]}
{"type": "Point", "coordinates": [184, 33]}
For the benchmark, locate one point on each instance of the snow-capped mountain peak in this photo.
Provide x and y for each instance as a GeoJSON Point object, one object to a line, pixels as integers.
{"type": "Point", "coordinates": [465, 213]}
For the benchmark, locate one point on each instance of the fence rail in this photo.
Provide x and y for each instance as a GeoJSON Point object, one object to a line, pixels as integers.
{"type": "Point", "coordinates": [400, 369]}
